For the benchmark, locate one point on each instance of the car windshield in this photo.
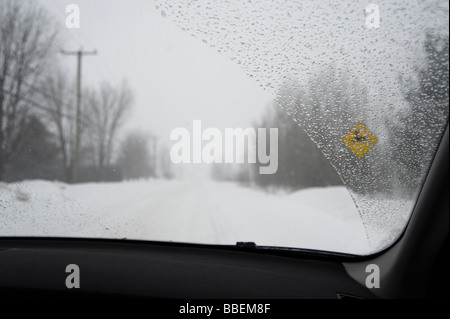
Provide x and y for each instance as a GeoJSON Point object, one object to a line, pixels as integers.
{"type": "Point", "coordinates": [289, 124]}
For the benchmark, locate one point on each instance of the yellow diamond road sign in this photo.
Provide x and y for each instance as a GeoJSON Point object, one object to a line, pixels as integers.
{"type": "Point", "coordinates": [359, 139]}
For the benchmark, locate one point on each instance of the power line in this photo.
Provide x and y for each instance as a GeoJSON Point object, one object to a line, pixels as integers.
{"type": "Point", "coordinates": [42, 92]}
{"type": "Point", "coordinates": [39, 106]}
{"type": "Point", "coordinates": [52, 97]}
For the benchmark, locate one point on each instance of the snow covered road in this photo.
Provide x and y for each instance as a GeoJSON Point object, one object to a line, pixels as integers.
{"type": "Point", "coordinates": [184, 211]}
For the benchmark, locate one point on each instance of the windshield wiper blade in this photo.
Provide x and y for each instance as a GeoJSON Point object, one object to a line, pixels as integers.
{"type": "Point", "coordinates": [251, 246]}
{"type": "Point", "coordinates": [246, 245]}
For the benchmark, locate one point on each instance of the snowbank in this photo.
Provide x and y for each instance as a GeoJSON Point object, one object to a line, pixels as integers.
{"type": "Point", "coordinates": [182, 211]}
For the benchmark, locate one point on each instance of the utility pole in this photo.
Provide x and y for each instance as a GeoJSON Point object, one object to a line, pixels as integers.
{"type": "Point", "coordinates": [76, 159]}
{"type": "Point", "coordinates": [154, 140]}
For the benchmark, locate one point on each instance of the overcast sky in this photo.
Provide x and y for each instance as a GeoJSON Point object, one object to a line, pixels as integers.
{"type": "Point", "coordinates": [175, 77]}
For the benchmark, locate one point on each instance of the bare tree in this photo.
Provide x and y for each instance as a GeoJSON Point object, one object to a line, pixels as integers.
{"type": "Point", "coordinates": [300, 162]}
{"type": "Point", "coordinates": [57, 96]}
{"type": "Point", "coordinates": [134, 158]}
{"type": "Point", "coordinates": [414, 133]}
{"type": "Point", "coordinates": [27, 38]}
{"type": "Point", "coordinates": [107, 109]}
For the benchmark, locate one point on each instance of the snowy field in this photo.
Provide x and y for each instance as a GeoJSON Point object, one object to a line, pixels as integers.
{"type": "Point", "coordinates": [184, 211]}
